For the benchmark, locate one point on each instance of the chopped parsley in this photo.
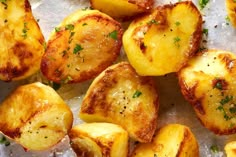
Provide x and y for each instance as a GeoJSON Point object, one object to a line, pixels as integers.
{"type": "Point", "coordinates": [205, 31]}
{"type": "Point", "coordinates": [25, 30]}
{"type": "Point", "coordinates": [227, 19]}
{"type": "Point", "coordinates": [57, 29]}
{"type": "Point", "coordinates": [176, 41]}
{"type": "Point", "coordinates": [214, 149]}
{"type": "Point", "coordinates": [77, 48]}
{"type": "Point", "coordinates": [226, 100]}
{"type": "Point", "coordinates": [232, 110]}
{"type": "Point", "coordinates": [203, 3]}
{"type": "Point", "coordinates": [113, 34]}
{"type": "Point", "coordinates": [218, 85]}
{"type": "Point", "coordinates": [70, 27]}
{"type": "Point", "coordinates": [177, 23]}
{"type": "Point", "coordinates": [137, 94]}
{"type": "Point", "coordinates": [3, 140]}
{"type": "Point", "coordinates": [153, 22]}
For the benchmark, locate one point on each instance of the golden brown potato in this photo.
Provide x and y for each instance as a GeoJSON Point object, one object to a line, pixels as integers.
{"type": "Point", "coordinates": [21, 41]}
{"type": "Point", "coordinates": [172, 140]}
{"type": "Point", "coordinates": [208, 82]}
{"type": "Point", "coordinates": [99, 139]}
{"type": "Point", "coordinates": [119, 95]}
{"type": "Point", "coordinates": [35, 116]}
{"type": "Point", "coordinates": [167, 35]}
{"type": "Point", "coordinates": [81, 47]}
{"type": "Point", "coordinates": [231, 10]}
{"type": "Point", "coordinates": [230, 149]}
{"type": "Point", "coordinates": [122, 9]}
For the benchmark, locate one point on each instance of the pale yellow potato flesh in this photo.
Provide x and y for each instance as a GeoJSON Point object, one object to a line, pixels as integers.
{"type": "Point", "coordinates": [208, 82]}
{"type": "Point", "coordinates": [99, 139]}
{"type": "Point", "coordinates": [230, 149]}
{"type": "Point", "coordinates": [231, 11]}
{"type": "Point", "coordinates": [119, 95]}
{"type": "Point", "coordinates": [21, 41]}
{"type": "Point", "coordinates": [163, 41]}
{"type": "Point", "coordinates": [122, 9]}
{"type": "Point", "coordinates": [83, 45]}
{"type": "Point", "coordinates": [172, 140]}
{"type": "Point", "coordinates": [35, 116]}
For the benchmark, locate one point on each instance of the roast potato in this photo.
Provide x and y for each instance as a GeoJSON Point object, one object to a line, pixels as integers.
{"type": "Point", "coordinates": [231, 11]}
{"type": "Point", "coordinates": [230, 149]}
{"type": "Point", "coordinates": [166, 35]}
{"type": "Point", "coordinates": [35, 116]}
{"type": "Point", "coordinates": [122, 9]}
{"type": "Point", "coordinates": [99, 139]}
{"type": "Point", "coordinates": [173, 140]}
{"type": "Point", "coordinates": [82, 46]}
{"type": "Point", "coordinates": [119, 95]}
{"type": "Point", "coordinates": [208, 82]}
{"type": "Point", "coordinates": [21, 41]}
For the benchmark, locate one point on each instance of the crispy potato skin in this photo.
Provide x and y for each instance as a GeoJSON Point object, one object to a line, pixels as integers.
{"type": "Point", "coordinates": [122, 9]}
{"type": "Point", "coordinates": [208, 83]}
{"type": "Point", "coordinates": [99, 139]}
{"type": "Point", "coordinates": [230, 149]}
{"type": "Point", "coordinates": [83, 50]}
{"type": "Point", "coordinates": [110, 98]}
{"type": "Point", "coordinates": [231, 10]}
{"type": "Point", "coordinates": [172, 140]}
{"type": "Point", "coordinates": [21, 41]}
{"type": "Point", "coordinates": [35, 116]}
{"type": "Point", "coordinates": [166, 35]}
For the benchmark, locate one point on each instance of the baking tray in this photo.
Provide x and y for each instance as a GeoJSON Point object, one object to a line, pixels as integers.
{"type": "Point", "coordinates": [173, 107]}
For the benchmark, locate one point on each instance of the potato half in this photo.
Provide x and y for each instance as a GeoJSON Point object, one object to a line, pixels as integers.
{"type": "Point", "coordinates": [167, 35]}
{"type": "Point", "coordinates": [231, 10]}
{"type": "Point", "coordinates": [82, 46]}
{"type": "Point", "coordinates": [119, 95]}
{"type": "Point", "coordinates": [21, 41]}
{"type": "Point", "coordinates": [122, 9]}
{"type": "Point", "coordinates": [230, 149]}
{"type": "Point", "coordinates": [99, 139]}
{"type": "Point", "coordinates": [208, 82]}
{"type": "Point", "coordinates": [35, 116]}
{"type": "Point", "coordinates": [173, 140]}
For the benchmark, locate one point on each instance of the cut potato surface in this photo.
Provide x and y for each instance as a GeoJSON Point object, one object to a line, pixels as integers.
{"type": "Point", "coordinates": [172, 140]}
{"type": "Point", "coordinates": [119, 95]}
{"type": "Point", "coordinates": [230, 149]}
{"type": "Point", "coordinates": [99, 139]}
{"type": "Point", "coordinates": [81, 47]}
{"type": "Point", "coordinates": [208, 82]}
{"type": "Point", "coordinates": [35, 116]}
{"type": "Point", "coordinates": [231, 10]}
{"type": "Point", "coordinates": [167, 35]}
{"type": "Point", "coordinates": [122, 9]}
{"type": "Point", "coordinates": [21, 41]}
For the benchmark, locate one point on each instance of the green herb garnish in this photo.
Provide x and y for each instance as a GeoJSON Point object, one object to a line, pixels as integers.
{"type": "Point", "coordinates": [77, 48]}
{"type": "Point", "coordinates": [214, 149]}
{"type": "Point", "coordinates": [176, 41]}
{"type": "Point", "coordinates": [226, 100]}
{"type": "Point", "coordinates": [70, 27]}
{"type": "Point", "coordinates": [113, 34]}
{"type": "Point", "coordinates": [177, 23]}
{"type": "Point", "coordinates": [153, 22]}
{"type": "Point", "coordinates": [205, 31]}
{"type": "Point", "coordinates": [137, 94]}
{"type": "Point", "coordinates": [203, 3]}
{"type": "Point", "coordinates": [57, 29]}
{"type": "Point", "coordinates": [25, 30]}
{"type": "Point", "coordinates": [3, 140]}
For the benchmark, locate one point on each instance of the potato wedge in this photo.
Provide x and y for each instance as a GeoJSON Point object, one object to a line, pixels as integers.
{"type": "Point", "coordinates": [231, 11]}
{"type": "Point", "coordinates": [167, 35]}
{"type": "Point", "coordinates": [122, 9]}
{"type": "Point", "coordinates": [230, 149]}
{"type": "Point", "coordinates": [82, 46]}
{"type": "Point", "coordinates": [173, 140]}
{"type": "Point", "coordinates": [208, 82]}
{"type": "Point", "coordinates": [99, 139]}
{"type": "Point", "coordinates": [35, 116]}
{"type": "Point", "coordinates": [21, 41]}
{"type": "Point", "coordinates": [119, 95]}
